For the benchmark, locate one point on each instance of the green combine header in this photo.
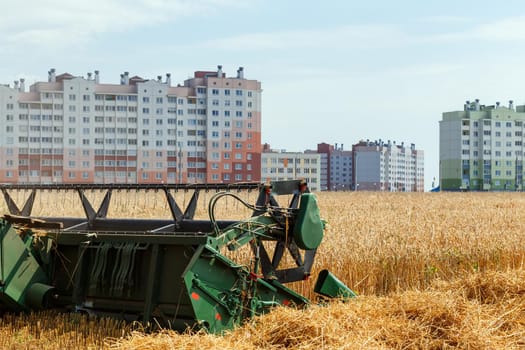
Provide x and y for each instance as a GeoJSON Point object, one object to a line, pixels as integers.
{"type": "Point", "coordinates": [173, 272]}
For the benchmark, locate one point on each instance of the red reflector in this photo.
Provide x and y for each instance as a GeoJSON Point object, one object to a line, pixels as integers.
{"type": "Point", "coordinates": [218, 317]}
{"type": "Point", "coordinates": [286, 302]}
{"type": "Point", "coordinates": [254, 276]}
{"type": "Point", "coordinates": [195, 296]}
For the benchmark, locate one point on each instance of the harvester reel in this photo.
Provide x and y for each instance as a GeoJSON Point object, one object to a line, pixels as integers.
{"type": "Point", "coordinates": [273, 226]}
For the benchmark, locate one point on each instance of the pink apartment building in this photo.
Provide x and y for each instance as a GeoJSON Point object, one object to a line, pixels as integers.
{"type": "Point", "coordinates": [78, 130]}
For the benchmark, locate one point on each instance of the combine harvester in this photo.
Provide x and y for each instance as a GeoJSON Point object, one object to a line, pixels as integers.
{"type": "Point", "coordinates": [172, 272]}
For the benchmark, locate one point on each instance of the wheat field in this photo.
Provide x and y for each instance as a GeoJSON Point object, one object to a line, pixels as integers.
{"type": "Point", "coordinates": [432, 270]}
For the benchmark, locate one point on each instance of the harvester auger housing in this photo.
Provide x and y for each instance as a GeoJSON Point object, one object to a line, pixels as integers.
{"type": "Point", "coordinates": [170, 271]}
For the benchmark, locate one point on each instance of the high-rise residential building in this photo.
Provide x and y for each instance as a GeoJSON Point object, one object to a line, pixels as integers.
{"type": "Point", "coordinates": [341, 169]}
{"type": "Point", "coordinates": [481, 147]}
{"type": "Point", "coordinates": [75, 129]}
{"type": "Point", "coordinates": [324, 149]}
{"type": "Point", "coordinates": [280, 165]}
{"type": "Point", "coordinates": [385, 166]}
{"type": "Point", "coordinates": [336, 167]}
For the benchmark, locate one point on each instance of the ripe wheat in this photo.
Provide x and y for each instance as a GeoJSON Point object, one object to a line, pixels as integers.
{"type": "Point", "coordinates": [432, 270]}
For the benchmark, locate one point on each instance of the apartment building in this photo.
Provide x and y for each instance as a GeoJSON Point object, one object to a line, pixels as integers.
{"type": "Point", "coordinates": [282, 165]}
{"type": "Point", "coordinates": [336, 167]}
{"type": "Point", "coordinates": [481, 147]}
{"type": "Point", "coordinates": [385, 166]}
{"type": "Point", "coordinates": [78, 130]}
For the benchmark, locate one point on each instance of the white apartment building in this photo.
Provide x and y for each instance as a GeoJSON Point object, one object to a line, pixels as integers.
{"type": "Point", "coordinates": [282, 165]}
{"type": "Point", "coordinates": [380, 166]}
{"type": "Point", "coordinates": [78, 130]}
{"type": "Point", "coordinates": [482, 148]}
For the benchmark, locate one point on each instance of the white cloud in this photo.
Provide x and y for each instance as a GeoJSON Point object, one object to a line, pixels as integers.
{"type": "Point", "coordinates": [445, 19]}
{"type": "Point", "coordinates": [47, 37]}
{"type": "Point", "coordinates": [59, 22]}
{"type": "Point", "coordinates": [506, 29]}
{"type": "Point", "coordinates": [376, 36]}
{"type": "Point", "coordinates": [427, 69]}
{"type": "Point", "coordinates": [503, 30]}
{"type": "Point", "coordinates": [351, 36]}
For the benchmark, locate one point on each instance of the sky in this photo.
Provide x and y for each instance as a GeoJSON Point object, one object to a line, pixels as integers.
{"type": "Point", "coordinates": [331, 71]}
